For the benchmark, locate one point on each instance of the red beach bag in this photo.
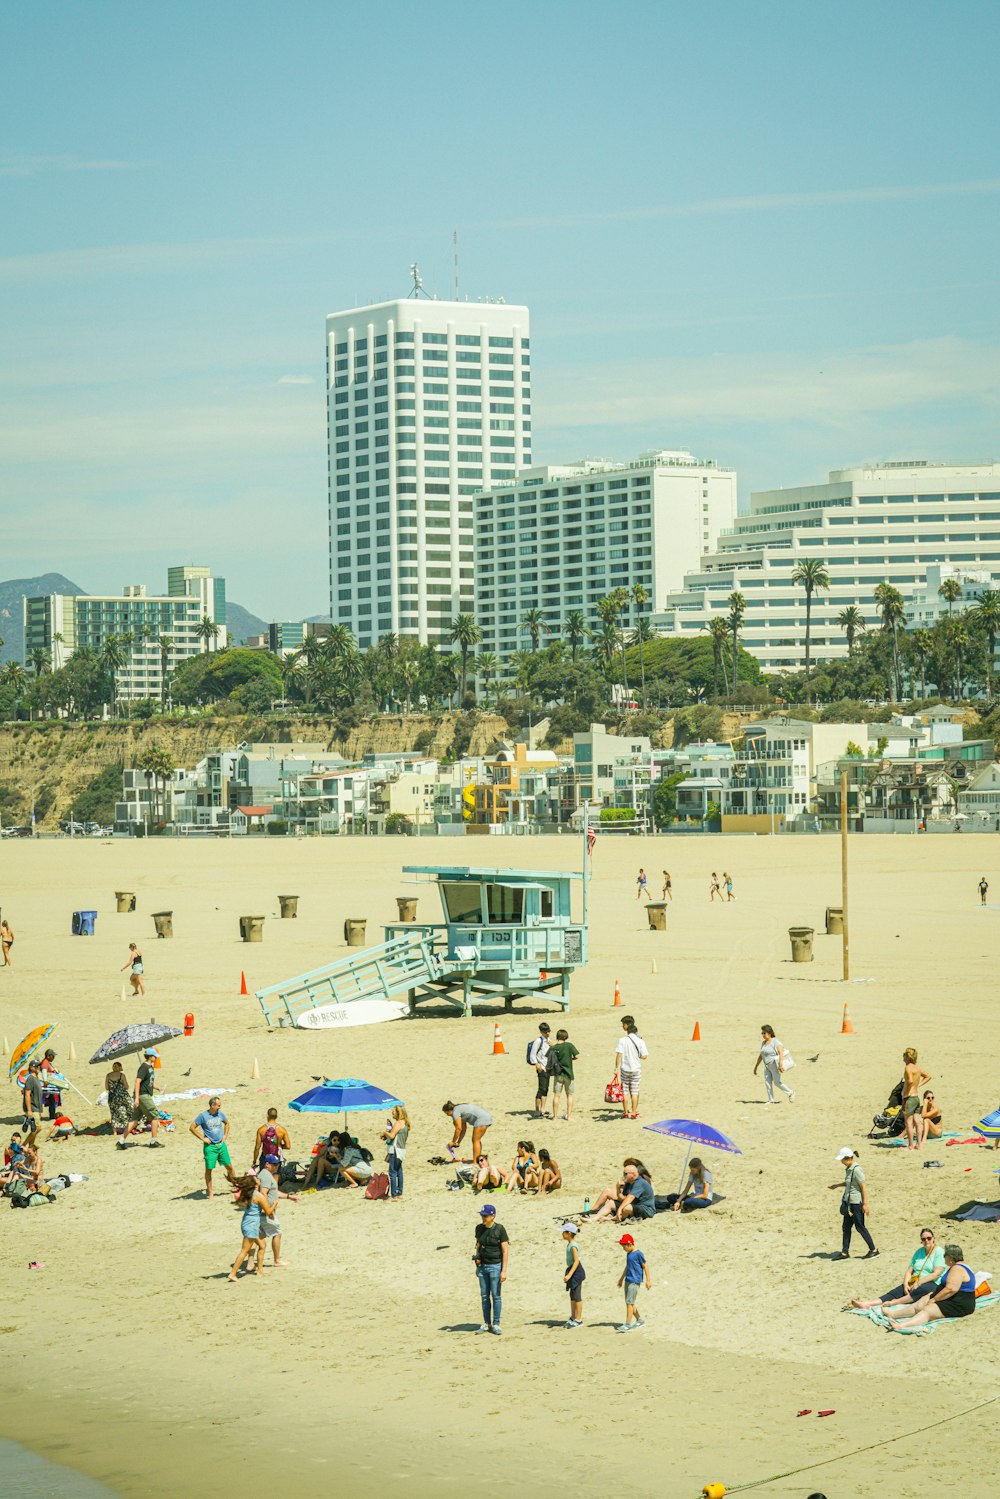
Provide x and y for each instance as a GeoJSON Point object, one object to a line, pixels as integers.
{"type": "Point", "coordinates": [378, 1186]}
{"type": "Point", "coordinates": [613, 1092]}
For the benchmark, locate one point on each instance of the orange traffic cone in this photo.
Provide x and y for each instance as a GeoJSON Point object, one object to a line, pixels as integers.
{"type": "Point", "coordinates": [847, 1028]}
{"type": "Point", "coordinates": [618, 996]}
{"type": "Point", "coordinates": [499, 1050]}
{"type": "Point", "coordinates": [697, 1031]}
{"type": "Point", "coordinates": [243, 983]}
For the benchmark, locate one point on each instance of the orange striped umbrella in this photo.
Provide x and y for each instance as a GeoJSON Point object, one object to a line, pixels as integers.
{"type": "Point", "coordinates": [32, 1041]}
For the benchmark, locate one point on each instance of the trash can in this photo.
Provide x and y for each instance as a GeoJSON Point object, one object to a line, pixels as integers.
{"type": "Point", "coordinates": [834, 921]}
{"type": "Point", "coordinates": [252, 928]}
{"type": "Point", "coordinates": [354, 932]}
{"type": "Point", "coordinates": [656, 911]}
{"type": "Point", "coordinates": [126, 901]}
{"type": "Point", "coordinates": [802, 943]}
{"type": "Point", "coordinates": [407, 907]}
{"type": "Point", "coordinates": [289, 906]}
{"type": "Point", "coordinates": [83, 923]}
{"type": "Point", "coordinates": [164, 923]}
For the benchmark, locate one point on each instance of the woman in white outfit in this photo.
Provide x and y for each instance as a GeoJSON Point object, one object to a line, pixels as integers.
{"type": "Point", "coordinates": [776, 1060]}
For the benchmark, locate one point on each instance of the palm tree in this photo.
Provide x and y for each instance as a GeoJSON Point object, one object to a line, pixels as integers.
{"type": "Point", "coordinates": [575, 630]}
{"type": "Point", "coordinates": [465, 633]}
{"type": "Point", "coordinates": [814, 578]}
{"type": "Point", "coordinates": [718, 629]}
{"type": "Point", "coordinates": [534, 625]}
{"type": "Point", "coordinates": [40, 660]}
{"type": "Point", "coordinates": [114, 657]}
{"type": "Point", "coordinates": [486, 667]}
{"type": "Point", "coordinates": [737, 608]}
{"type": "Point", "coordinates": [922, 642]}
{"type": "Point", "coordinates": [606, 641]}
{"type": "Point", "coordinates": [892, 609]}
{"type": "Point", "coordinates": [951, 592]}
{"type": "Point", "coordinates": [519, 668]}
{"type": "Point", "coordinates": [852, 622]}
{"type": "Point", "coordinates": [165, 645]}
{"type": "Point", "coordinates": [986, 616]}
{"type": "Point", "coordinates": [640, 596]}
{"type": "Point", "coordinates": [957, 638]}
{"type": "Point", "coordinates": [208, 632]}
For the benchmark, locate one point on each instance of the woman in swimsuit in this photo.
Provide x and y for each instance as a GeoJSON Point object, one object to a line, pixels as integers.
{"type": "Point", "coordinates": [134, 961]}
{"type": "Point", "coordinates": [549, 1175]}
{"type": "Point", "coordinates": [667, 890]}
{"type": "Point", "coordinates": [929, 1118]}
{"type": "Point", "coordinates": [487, 1177]}
{"type": "Point", "coordinates": [253, 1201]}
{"type": "Point", "coordinates": [954, 1297]}
{"type": "Point", "coordinates": [524, 1172]}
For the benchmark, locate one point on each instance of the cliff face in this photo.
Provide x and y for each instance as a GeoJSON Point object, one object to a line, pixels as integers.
{"type": "Point", "coordinates": [57, 761]}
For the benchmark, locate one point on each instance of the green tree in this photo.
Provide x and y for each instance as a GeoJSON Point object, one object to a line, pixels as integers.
{"type": "Point", "coordinates": [664, 798]}
{"type": "Point", "coordinates": [575, 630]}
{"type": "Point", "coordinates": [114, 658]}
{"type": "Point", "coordinates": [640, 597]}
{"type": "Point", "coordinates": [737, 606]}
{"type": "Point", "coordinates": [165, 644]}
{"type": "Point", "coordinates": [207, 678]}
{"type": "Point", "coordinates": [208, 632]}
{"type": "Point", "coordinates": [157, 765]}
{"type": "Point", "coordinates": [852, 622]}
{"type": "Point", "coordinates": [889, 602]}
{"type": "Point", "coordinates": [40, 660]}
{"type": "Point", "coordinates": [486, 667]}
{"type": "Point", "coordinates": [922, 643]}
{"type": "Point", "coordinates": [718, 630]}
{"type": "Point", "coordinates": [951, 592]}
{"type": "Point", "coordinates": [464, 633]}
{"type": "Point", "coordinates": [986, 617]}
{"type": "Point", "coordinates": [813, 577]}
{"type": "Point", "coordinates": [533, 624]}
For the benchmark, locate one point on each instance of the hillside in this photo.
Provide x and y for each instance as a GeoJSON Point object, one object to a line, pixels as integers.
{"type": "Point", "coordinates": [241, 622]}
{"type": "Point", "coordinates": [11, 594]}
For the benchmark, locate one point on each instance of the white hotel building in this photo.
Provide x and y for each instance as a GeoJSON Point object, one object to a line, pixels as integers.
{"type": "Point", "coordinates": [427, 401]}
{"type": "Point", "coordinates": [561, 538]}
{"type": "Point", "coordinates": [886, 523]}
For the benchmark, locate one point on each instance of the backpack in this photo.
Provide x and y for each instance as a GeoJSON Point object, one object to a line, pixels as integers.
{"type": "Point", "coordinates": [20, 1197]}
{"type": "Point", "coordinates": [378, 1186]}
{"type": "Point", "coordinates": [269, 1142]}
{"type": "Point", "coordinates": [527, 1053]}
{"type": "Point", "coordinates": [553, 1065]}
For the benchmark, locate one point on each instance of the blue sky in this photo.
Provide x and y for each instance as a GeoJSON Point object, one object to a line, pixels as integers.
{"type": "Point", "coordinates": [766, 233]}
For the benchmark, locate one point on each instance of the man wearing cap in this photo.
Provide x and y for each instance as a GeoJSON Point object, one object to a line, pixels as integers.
{"type": "Point", "coordinates": [490, 1259]}
{"type": "Point", "coordinates": [212, 1128]}
{"type": "Point", "coordinates": [143, 1099]}
{"type": "Point", "coordinates": [270, 1227]}
{"type": "Point", "coordinates": [538, 1053]}
{"type": "Point", "coordinates": [31, 1102]}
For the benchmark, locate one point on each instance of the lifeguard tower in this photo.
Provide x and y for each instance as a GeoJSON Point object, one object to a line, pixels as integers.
{"type": "Point", "coordinates": [506, 934]}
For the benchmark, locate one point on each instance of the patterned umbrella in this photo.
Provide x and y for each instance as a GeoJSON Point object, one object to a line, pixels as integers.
{"type": "Point", "coordinates": [133, 1038]}
{"type": "Point", "coordinates": [32, 1041]}
{"type": "Point", "coordinates": [989, 1125]}
{"type": "Point", "coordinates": [696, 1134]}
{"type": "Point", "coordinates": [346, 1095]}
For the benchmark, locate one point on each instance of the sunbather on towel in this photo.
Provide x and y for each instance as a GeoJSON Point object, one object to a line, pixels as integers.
{"type": "Point", "coordinates": [926, 1265]}
{"type": "Point", "coordinates": [953, 1296]}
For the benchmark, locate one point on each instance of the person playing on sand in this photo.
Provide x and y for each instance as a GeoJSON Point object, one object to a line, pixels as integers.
{"type": "Point", "coordinates": [642, 886]}
{"type": "Point", "coordinates": [667, 886]}
{"type": "Point", "coordinates": [212, 1128]}
{"type": "Point", "coordinates": [549, 1175]}
{"type": "Point", "coordinates": [462, 1115]}
{"type": "Point", "coordinates": [929, 1118]}
{"type": "Point", "coordinates": [395, 1135]}
{"type": "Point", "coordinates": [983, 890]}
{"type": "Point", "coordinates": [914, 1078]}
{"type": "Point", "coordinates": [713, 888]}
{"type": "Point", "coordinates": [630, 1054]}
{"type": "Point", "coordinates": [926, 1264]}
{"type": "Point", "coordinates": [631, 1278]}
{"type": "Point", "coordinates": [272, 1139]}
{"type": "Point", "coordinates": [574, 1276]}
{"type": "Point", "coordinates": [6, 941]}
{"type": "Point", "coordinates": [772, 1054]}
{"type": "Point", "coordinates": [254, 1203]}
{"type": "Point", "coordinates": [955, 1295]}
{"type": "Point", "coordinates": [119, 1103]}
{"type": "Point", "coordinates": [853, 1203]}
{"type": "Point", "coordinates": [134, 961]}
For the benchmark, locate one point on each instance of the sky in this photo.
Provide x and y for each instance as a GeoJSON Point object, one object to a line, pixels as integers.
{"type": "Point", "coordinates": [765, 233]}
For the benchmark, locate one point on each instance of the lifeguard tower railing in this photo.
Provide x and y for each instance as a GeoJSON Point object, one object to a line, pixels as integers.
{"type": "Point", "coordinates": [391, 969]}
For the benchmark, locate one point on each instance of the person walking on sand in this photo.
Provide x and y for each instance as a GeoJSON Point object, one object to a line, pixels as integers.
{"type": "Point", "coordinates": [667, 886]}
{"type": "Point", "coordinates": [727, 883]}
{"type": "Point", "coordinates": [490, 1259]}
{"type": "Point", "coordinates": [270, 1187]}
{"type": "Point", "coordinates": [212, 1128]}
{"type": "Point", "coordinates": [143, 1097]}
{"type": "Point", "coordinates": [464, 1115]}
{"type": "Point", "coordinates": [272, 1139]}
{"type": "Point", "coordinates": [914, 1078]}
{"type": "Point", "coordinates": [631, 1278]}
{"type": "Point", "coordinates": [538, 1056]}
{"type": "Point", "coordinates": [134, 961]}
{"type": "Point", "coordinates": [561, 1058]}
{"type": "Point", "coordinates": [50, 1084]}
{"type": "Point", "coordinates": [630, 1054]}
{"type": "Point", "coordinates": [119, 1103]}
{"type": "Point", "coordinates": [395, 1135]}
{"type": "Point", "coordinates": [713, 889]}
{"type": "Point", "coordinates": [984, 886]}
{"type": "Point", "coordinates": [254, 1203]}
{"type": "Point", "coordinates": [853, 1203]}
{"type": "Point", "coordinates": [775, 1059]}
{"type": "Point", "coordinates": [6, 941]}
{"type": "Point", "coordinates": [642, 886]}
{"type": "Point", "coordinates": [574, 1276]}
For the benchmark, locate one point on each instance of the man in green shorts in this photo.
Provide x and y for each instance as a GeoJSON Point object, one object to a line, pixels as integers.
{"type": "Point", "coordinates": [212, 1128]}
{"type": "Point", "coordinates": [143, 1096]}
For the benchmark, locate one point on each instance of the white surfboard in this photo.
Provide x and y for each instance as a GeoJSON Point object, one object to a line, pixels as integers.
{"type": "Point", "coordinates": [354, 1012]}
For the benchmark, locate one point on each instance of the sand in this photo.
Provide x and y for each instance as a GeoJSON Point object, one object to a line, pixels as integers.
{"type": "Point", "coordinates": [355, 1371]}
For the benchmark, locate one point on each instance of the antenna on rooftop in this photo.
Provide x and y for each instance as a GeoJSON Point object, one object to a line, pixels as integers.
{"type": "Point", "coordinates": [418, 285]}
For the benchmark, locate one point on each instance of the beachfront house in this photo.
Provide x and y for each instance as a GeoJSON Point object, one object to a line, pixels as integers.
{"type": "Point", "coordinates": [772, 783]}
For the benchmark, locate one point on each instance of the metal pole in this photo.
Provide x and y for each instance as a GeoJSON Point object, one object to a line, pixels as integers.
{"type": "Point", "coordinates": [843, 871]}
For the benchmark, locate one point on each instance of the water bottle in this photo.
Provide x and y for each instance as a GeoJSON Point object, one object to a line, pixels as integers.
{"type": "Point", "coordinates": [586, 1204]}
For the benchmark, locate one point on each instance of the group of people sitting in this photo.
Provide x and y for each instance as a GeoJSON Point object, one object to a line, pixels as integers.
{"type": "Point", "coordinates": [937, 1283]}
{"type": "Point", "coordinates": [530, 1171]}
{"type": "Point", "coordinates": [633, 1196]}
{"type": "Point", "coordinates": [340, 1162]}
{"type": "Point", "coordinates": [22, 1163]}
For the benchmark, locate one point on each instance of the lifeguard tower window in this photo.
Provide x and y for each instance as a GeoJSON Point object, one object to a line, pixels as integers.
{"type": "Point", "coordinates": [463, 904]}
{"type": "Point", "coordinates": [505, 905]}
{"type": "Point", "coordinates": [546, 908]}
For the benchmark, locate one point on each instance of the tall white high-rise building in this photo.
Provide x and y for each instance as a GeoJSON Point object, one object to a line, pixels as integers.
{"type": "Point", "coordinates": [427, 402]}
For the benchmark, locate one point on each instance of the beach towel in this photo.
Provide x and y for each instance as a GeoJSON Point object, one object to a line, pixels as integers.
{"type": "Point", "coordinates": [980, 1212]}
{"type": "Point", "coordinates": [877, 1315]}
{"type": "Point", "coordinates": [950, 1137]}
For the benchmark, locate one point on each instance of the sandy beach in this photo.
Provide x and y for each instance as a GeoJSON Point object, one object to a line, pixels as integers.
{"type": "Point", "coordinates": [356, 1371]}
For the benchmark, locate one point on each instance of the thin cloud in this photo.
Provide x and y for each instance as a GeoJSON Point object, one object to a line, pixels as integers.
{"type": "Point", "coordinates": [753, 203]}
{"type": "Point", "coordinates": [33, 166]}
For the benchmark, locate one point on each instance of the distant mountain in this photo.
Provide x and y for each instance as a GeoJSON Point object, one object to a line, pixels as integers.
{"type": "Point", "coordinates": [240, 623]}
{"type": "Point", "coordinates": [11, 614]}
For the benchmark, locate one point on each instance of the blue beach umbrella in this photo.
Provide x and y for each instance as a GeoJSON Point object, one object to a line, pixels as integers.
{"type": "Point", "coordinates": [989, 1126]}
{"type": "Point", "coordinates": [695, 1133]}
{"type": "Point", "coordinates": [345, 1095]}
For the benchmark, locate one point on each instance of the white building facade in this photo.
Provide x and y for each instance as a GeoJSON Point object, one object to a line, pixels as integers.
{"type": "Point", "coordinates": [561, 538]}
{"type": "Point", "coordinates": [887, 523]}
{"type": "Point", "coordinates": [427, 401]}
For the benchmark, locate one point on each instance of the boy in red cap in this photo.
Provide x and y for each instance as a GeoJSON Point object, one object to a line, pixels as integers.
{"type": "Point", "coordinates": [632, 1277]}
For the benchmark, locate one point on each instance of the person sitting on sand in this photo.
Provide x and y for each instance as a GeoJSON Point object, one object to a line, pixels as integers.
{"type": "Point", "coordinates": [929, 1118]}
{"type": "Point", "coordinates": [549, 1175]}
{"type": "Point", "coordinates": [355, 1171]}
{"type": "Point", "coordinates": [954, 1295]}
{"type": "Point", "coordinates": [697, 1191]}
{"type": "Point", "coordinates": [524, 1171]}
{"type": "Point", "coordinates": [486, 1176]}
{"type": "Point", "coordinates": [33, 1172]}
{"type": "Point", "coordinates": [326, 1161]}
{"type": "Point", "coordinates": [926, 1265]}
{"type": "Point", "coordinates": [631, 1198]}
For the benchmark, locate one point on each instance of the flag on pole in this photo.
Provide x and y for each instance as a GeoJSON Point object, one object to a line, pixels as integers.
{"type": "Point", "coordinates": [591, 840]}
